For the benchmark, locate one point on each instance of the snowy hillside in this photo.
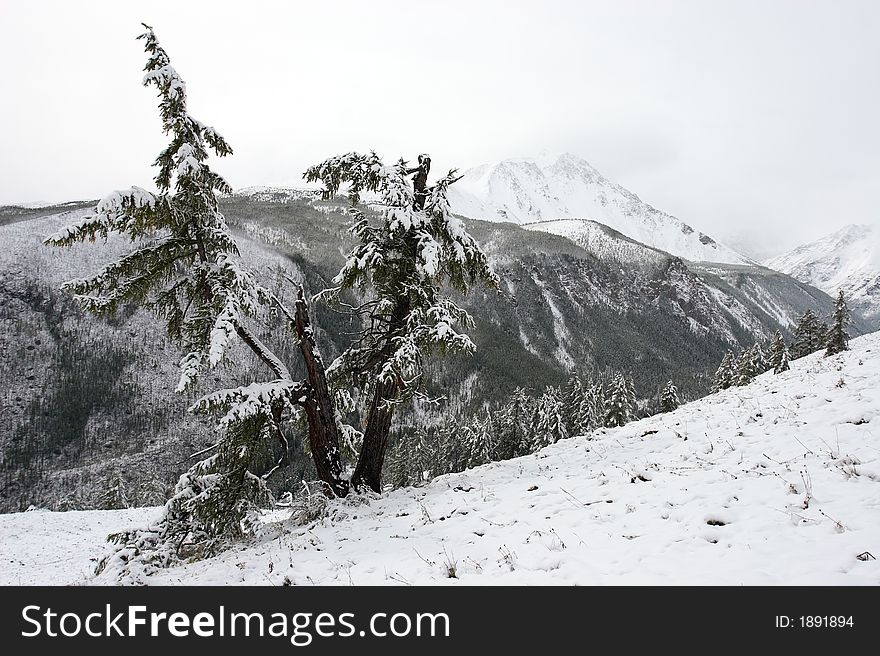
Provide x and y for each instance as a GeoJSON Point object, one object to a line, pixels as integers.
{"type": "Point", "coordinates": [276, 194]}
{"type": "Point", "coordinates": [848, 259]}
{"type": "Point", "coordinates": [712, 296]}
{"type": "Point", "coordinates": [774, 483]}
{"type": "Point", "coordinates": [602, 241]}
{"type": "Point", "coordinates": [529, 190]}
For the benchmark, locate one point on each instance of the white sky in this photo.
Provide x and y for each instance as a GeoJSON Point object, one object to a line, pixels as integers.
{"type": "Point", "coordinates": [753, 121]}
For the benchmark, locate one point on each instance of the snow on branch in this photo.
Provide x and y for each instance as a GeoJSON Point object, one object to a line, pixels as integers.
{"type": "Point", "coordinates": [131, 210]}
{"type": "Point", "coordinates": [242, 403]}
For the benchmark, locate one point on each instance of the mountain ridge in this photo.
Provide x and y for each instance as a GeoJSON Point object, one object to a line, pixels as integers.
{"type": "Point", "coordinates": [847, 259]}
{"type": "Point", "coordinates": [526, 190]}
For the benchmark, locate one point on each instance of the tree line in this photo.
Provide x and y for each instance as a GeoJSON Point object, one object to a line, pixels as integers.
{"type": "Point", "coordinates": [524, 424]}
{"type": "Point", "coordinates": [810, 335]}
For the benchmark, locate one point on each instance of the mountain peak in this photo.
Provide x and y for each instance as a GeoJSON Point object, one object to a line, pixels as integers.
{"type": "Point", "coordinates": [554, 185]}
{"type": "Point", "coordinates": [847, 259]}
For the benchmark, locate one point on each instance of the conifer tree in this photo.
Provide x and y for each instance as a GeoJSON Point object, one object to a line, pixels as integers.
{"type": "Point", "coordinates": [398, 466]}
{"type": "Point", "coordinates": [594, 408]}
{"type": "Point", "coordinates": [778, 356]}
{"type": "Point", "coordinates": [757, 360]}
{"type": "Point", "coordinates": [669, 398]}
{"type": "Point", "coordinates": [400, 263]}
{"type": "Point", "coordinates": [725, 373]}
{"type": "Point", "coordinates": [809, 335]}
{"type": "Point", "coordinates": [184, 267]}
{"type": "Point", "coordinates": [116, 495]}
{"type": "Point", "coordinates": [838, 337]}
{"type": "Point", "coordinates": [743, 368]}
{"type": "Point", "coordinates": [572, 396]}
{"type": "Point", "coordinates": [515, 425]}
{"type": "Point", "coordinates": [478, 438]}
{"type": "Point", "coordinates": [551, 425]}
{"type": "Point", "coordinates": [617, 402]}
{"type": "Point", "coordinates": [631, 397]}
{"type": "Point", "coordinates": [422, 456]}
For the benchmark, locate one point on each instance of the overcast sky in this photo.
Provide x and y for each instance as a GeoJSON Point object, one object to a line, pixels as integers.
{"type": "Point", "coordinates": [749, 120]}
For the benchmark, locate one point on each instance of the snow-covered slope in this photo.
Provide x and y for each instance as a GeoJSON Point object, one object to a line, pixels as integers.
{"type": "Point", "coordinates": [601, 241]}
{"type": "Point", "coordinates": [529, 190]}
{"type": "Point", "coordinates": [774, 483]}
{"type": "Point", "coordinates": [266, 194]}
{"type": "Point", "coordinates": [848, 259]}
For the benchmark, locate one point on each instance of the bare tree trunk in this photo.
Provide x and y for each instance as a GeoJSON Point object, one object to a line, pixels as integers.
{"type": "Point", "coordinates": [319, 407]}
{"type": "Point", "coordinates": [372, 456]}
{"type": "Point", "coordinates": [368, 470]}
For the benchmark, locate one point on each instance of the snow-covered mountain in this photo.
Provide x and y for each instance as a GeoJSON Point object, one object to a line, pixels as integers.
{"type": "Point", "coordinates": [777, 482]}
{"type": "Point", "coordinates": [848, 259]}
{"type": "Point", "coordinates": [548, 187]}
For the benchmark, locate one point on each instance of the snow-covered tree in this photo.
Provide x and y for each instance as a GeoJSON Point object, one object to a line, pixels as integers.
{"type": "Point", "coordinates": [809, 336]}
{"type": "Point", "coordinates": [593, 409]}
{"type": "Point", "coordinates": [515, 427]}
{"type": "Point", "coordinates": [778, 357]}
{"type": "Point", "coordinates": [669, 397]}
{"type": "Point", "coordinates": [184, 266]}
{"type": "Point", "coordinates": [631, 397]}
{"type": "Point", "coordinates": [116, 494]}
{"type": "Point", "coordinates": [400, 263]}
{"type": "Point", "coordinates": [743, 368]}
{"type": "Point", "coordinates": [725, 373]}
{"type": "Point", "coordinates": [572, 395]}
{"type": "Point", "coordinates": [757, 360]}
{"type": "Point", "coordinates": [415, 458]}
{"type": "Point", "coordinates": [618, 410]}
{"type": "Point", "coordinates": [478, 438]}
{"type": "Point", "coordinates": [550, 422]}
{"type": "Point", "coordinates": [837, 340]}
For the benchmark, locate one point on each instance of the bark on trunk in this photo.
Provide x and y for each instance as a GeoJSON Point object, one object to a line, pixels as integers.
{"type": "Point", "coordinates": [368, 471]}
{"type": "Point", "coordinates": [319, 407]}
{"type": "Point", "coordinates": [372, 456]}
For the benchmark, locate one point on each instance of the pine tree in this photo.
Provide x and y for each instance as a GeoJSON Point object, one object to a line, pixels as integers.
{"type": "Point", "coordinates": [572, 396]}
{"type": "Point", "coordinates": [588, 412]}
{"type": "Point", "coordinates": [594, 410]}
{"type": "Point", "coordinates": [617, 402]}
{"type": "Point", "coordinates": [399, 463]}
{"type": "Point", "coordinates": [631, 397]}
{"type": "Point", "coordinates": [515, 425]}
{"type": "Point", "coordinates": [778, 357]}
{"type": "Point", "coordinates": [185, 268]}
{"type": "Point", "coordinates": [743, 368]}
{"type": "Point", "coordinates": [838, 337]}
{"type": "Point", "coordinates": [725, 373]}
{"type": "Point", "coordinates": [669, 398]}
{"type": "Point", "coordinates": [400, 263]}
{"type": "Point", "coordinates": [115, 495]}
{"type": "Point", "coordinates": [809, 335]}
{"type": "Point", "coordinates": [478, 439]}
{"type": "Point", "coordinates": [757, 360]}
{"type": "Point", "coordinates": [550, 425]}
